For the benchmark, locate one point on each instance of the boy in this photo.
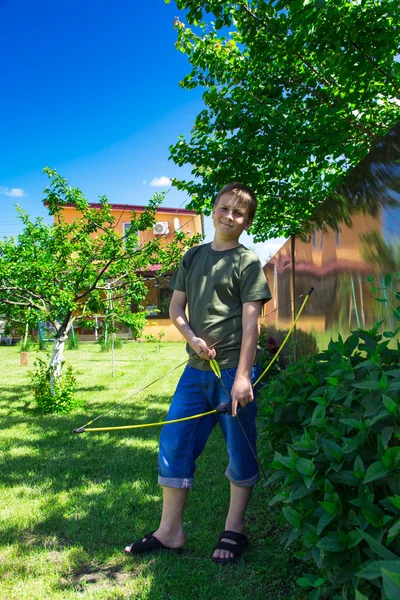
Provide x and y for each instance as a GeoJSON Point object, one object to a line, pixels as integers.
{"type": "Point", "coordinates": [224, 287]}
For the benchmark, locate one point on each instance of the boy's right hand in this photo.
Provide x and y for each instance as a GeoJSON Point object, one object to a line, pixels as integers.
{"type": "Point", "coordinates": [202, 350]}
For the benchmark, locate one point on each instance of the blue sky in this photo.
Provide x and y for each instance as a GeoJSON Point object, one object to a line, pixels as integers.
{"type": "Point", "coordinates": [91, 89]}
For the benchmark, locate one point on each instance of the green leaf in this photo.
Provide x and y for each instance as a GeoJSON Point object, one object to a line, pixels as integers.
{"type": "Point", "coordinates": [386, 435]}
{"type": "Point", "coordinates": [391, 457]}
{"type": "Point", "coordinates": [305, 466]}
{"type": "Point", "coordinates": [395, 500]}
{"type": "Point", "coordinates": [375, 471]}
{"type": "Point", "coordinates": [345, 477]}
{"type": "Point", "coordinates": [367, 385]}
{"type": "Point", "coordinates": [332, 543]}
{"type": "Point", "coordinates": [360, 596]}
{"type": "Point", "coordinates": [354, 538]}
{"type": "Point", "coordinates": [332, 450]}
{"type": "Point", "coordinates": [390, 404]}
{"type": "Point", "coordinates": [352, 423]}
{"type": "Point", "coordinates": [391, 584]}
{"type": "Point", "coordinates": [300, 492]}
{"type": "Point", "coordinates": [373, 569]}
{"type": "Point", "coordinates": [277, 498]}
{"type": "Point", "coordinates": [359, 469]}
{"type": "Point", "coordinates": [318, 414]}
{"type": "Point", "coordinates": [377, 547]}
{"type": "Point", "coordinates": [388, 279]}
{"type": "Point", "coordinates": [393, 532]}
{"type": "Point", "coordinates": [324, 521]}
{"type": "Point", "coordinates": [304, 582]}
{"type": "Point", "coordinates": [292, 516]}
{"type": "Point", "coordinates": [352, 444]}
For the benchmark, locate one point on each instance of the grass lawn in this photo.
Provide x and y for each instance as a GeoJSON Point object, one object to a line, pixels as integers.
{"type": "Point", "coordinates": [70, 503]}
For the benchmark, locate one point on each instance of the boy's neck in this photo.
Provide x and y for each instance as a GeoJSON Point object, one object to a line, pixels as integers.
{"type": "Point", "coordinates": [220, 245]}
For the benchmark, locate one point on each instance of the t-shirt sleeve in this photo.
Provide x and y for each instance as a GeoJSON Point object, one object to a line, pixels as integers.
{"type": "Point", "coordinates": [178, 279]}
{"type": "Point", "coordinates": [253, 285]}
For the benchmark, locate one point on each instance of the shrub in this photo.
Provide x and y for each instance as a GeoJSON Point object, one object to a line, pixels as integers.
{"type": "Point", "coordinates": [73, 342]}
{"type": "Point", "coordinates": [42, 345]}
{"type": "Point", "coordinates": [25, 346]}
{"type": "Point", "coordinates": [271, 338]}
{"type": "Point", "coordinates": [61, 398]}
{"type": "Point", "coordinates": [106, 344]}
{"type": "Point", "coordinates": [334, 423]}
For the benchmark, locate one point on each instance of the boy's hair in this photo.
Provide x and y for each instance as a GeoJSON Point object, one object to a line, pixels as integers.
{"type": "Point", "coordinates": [243, 193]}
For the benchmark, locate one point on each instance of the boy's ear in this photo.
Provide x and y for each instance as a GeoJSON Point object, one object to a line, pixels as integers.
{"type": "Point", "coordinates": [249, 224]}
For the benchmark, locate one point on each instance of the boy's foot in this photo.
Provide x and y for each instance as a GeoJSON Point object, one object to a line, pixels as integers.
{"type": "Point", "coordinates": [151, 543]}
{"type": "Point", "coordinates": [229, 548]}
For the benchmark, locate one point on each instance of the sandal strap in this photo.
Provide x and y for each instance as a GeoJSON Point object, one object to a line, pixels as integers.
{"type": "Point", "coordinates": [239, 538]}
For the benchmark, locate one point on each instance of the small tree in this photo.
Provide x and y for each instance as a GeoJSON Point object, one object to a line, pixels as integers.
{"type": "Point", "coordinates": [62, 272]}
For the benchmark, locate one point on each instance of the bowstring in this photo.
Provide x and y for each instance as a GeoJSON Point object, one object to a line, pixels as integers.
{"type": "Point", "coordinates": [114, 407]}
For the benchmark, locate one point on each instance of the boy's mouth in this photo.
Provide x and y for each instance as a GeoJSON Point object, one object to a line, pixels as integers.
{"type": "Point", "coordinates": [226, 224]}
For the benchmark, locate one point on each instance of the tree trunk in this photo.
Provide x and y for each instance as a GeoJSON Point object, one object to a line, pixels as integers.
{"type": "Point", "coordinates": [26, 334]}
{"type": "Point", "coordinates": [58, 355]}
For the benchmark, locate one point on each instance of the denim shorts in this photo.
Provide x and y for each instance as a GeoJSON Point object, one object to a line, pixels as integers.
{"type": "Point", "coordinates": [181, 443]}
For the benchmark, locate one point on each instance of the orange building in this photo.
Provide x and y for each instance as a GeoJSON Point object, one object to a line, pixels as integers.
{"type": "Point", "coordinates": [168, 221]}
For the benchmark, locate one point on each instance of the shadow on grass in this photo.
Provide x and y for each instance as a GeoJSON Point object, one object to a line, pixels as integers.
{"type": "Point", "coordinates": [99, 492]}
{"type": "Point", "coordinates": [91, 388]}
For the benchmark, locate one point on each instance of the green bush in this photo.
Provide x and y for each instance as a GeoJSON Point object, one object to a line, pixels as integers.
{"type": "Point", "coordinates": [306, 345]}
{"type": "Point", "coordinates": [73, 342]}
{"type": "Point", "coordinates": [106, 343]}
{"type": "Point", "coordinates": [26, 346]}
{"type": "Point", "coordinates": [61, 398]}
{"type": "Point", "coordinates": [334, 424]}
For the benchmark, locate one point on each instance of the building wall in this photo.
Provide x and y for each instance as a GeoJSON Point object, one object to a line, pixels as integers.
{"type": "Point", "coordinates": [183, 220]}
{"type": "Point", "coordinates": [337, 262]}
{"type": "Point", "coordinates": [189, 222]}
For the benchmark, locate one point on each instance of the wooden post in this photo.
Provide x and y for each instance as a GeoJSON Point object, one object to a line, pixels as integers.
{"type": "Point", "coordinates": [24, 359]}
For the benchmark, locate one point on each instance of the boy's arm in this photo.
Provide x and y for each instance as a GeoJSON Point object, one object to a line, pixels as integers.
{"type": "Point", "coordinates": [179, 319]}
{"type": "Point", "coordinates": [242, 391]}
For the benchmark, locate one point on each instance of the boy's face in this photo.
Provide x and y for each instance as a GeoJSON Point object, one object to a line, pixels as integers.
{"type": "Point", "coordinates": [230, 217]}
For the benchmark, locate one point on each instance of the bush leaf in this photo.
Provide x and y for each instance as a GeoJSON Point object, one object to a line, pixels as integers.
{"type": "Point", "coordinates": [375, 471]}
{"type": "Point", "coordinates": [377, 547]}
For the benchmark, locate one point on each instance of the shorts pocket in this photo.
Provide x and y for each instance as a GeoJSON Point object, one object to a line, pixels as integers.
{"type": "Point", "coordinates": [231, 373]}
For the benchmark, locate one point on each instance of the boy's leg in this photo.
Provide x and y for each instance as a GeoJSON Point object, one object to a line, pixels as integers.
{"type": "Point", "coordinates": [240, 498]}
{"type": "Point", "coordinates": [180, 445]}
{"type": "Point", "coordinates": [170, 531]}
{"type": "Point", "coordinates": [243, 467]}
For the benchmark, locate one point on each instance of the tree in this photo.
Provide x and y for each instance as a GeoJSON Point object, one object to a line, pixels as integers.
{"type": "Point", "coordinates": [296, 93]}
{"type": "Point", "coordinates": [66, 271]}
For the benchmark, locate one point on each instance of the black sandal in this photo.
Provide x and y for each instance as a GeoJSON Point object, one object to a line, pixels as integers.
{"type": "Point", "coordinates": [149, 543]}
{"type": "Point", "coordinates": [237, 549]}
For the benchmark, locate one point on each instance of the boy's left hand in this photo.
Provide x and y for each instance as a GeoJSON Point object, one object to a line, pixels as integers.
{"type": "Point", "coordinates": [242, 393]}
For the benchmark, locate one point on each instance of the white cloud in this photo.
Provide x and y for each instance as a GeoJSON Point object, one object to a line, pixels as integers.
{"type": "Point", "coordinates": [144, 182]}
{"type": "Point", "coordinates": [13, 192]}
{"type": "Point", "coordinates": [160, 181]}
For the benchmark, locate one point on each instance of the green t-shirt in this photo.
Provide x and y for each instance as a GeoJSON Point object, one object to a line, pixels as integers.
{"type": "Point", "coordinates": [217, 284]}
